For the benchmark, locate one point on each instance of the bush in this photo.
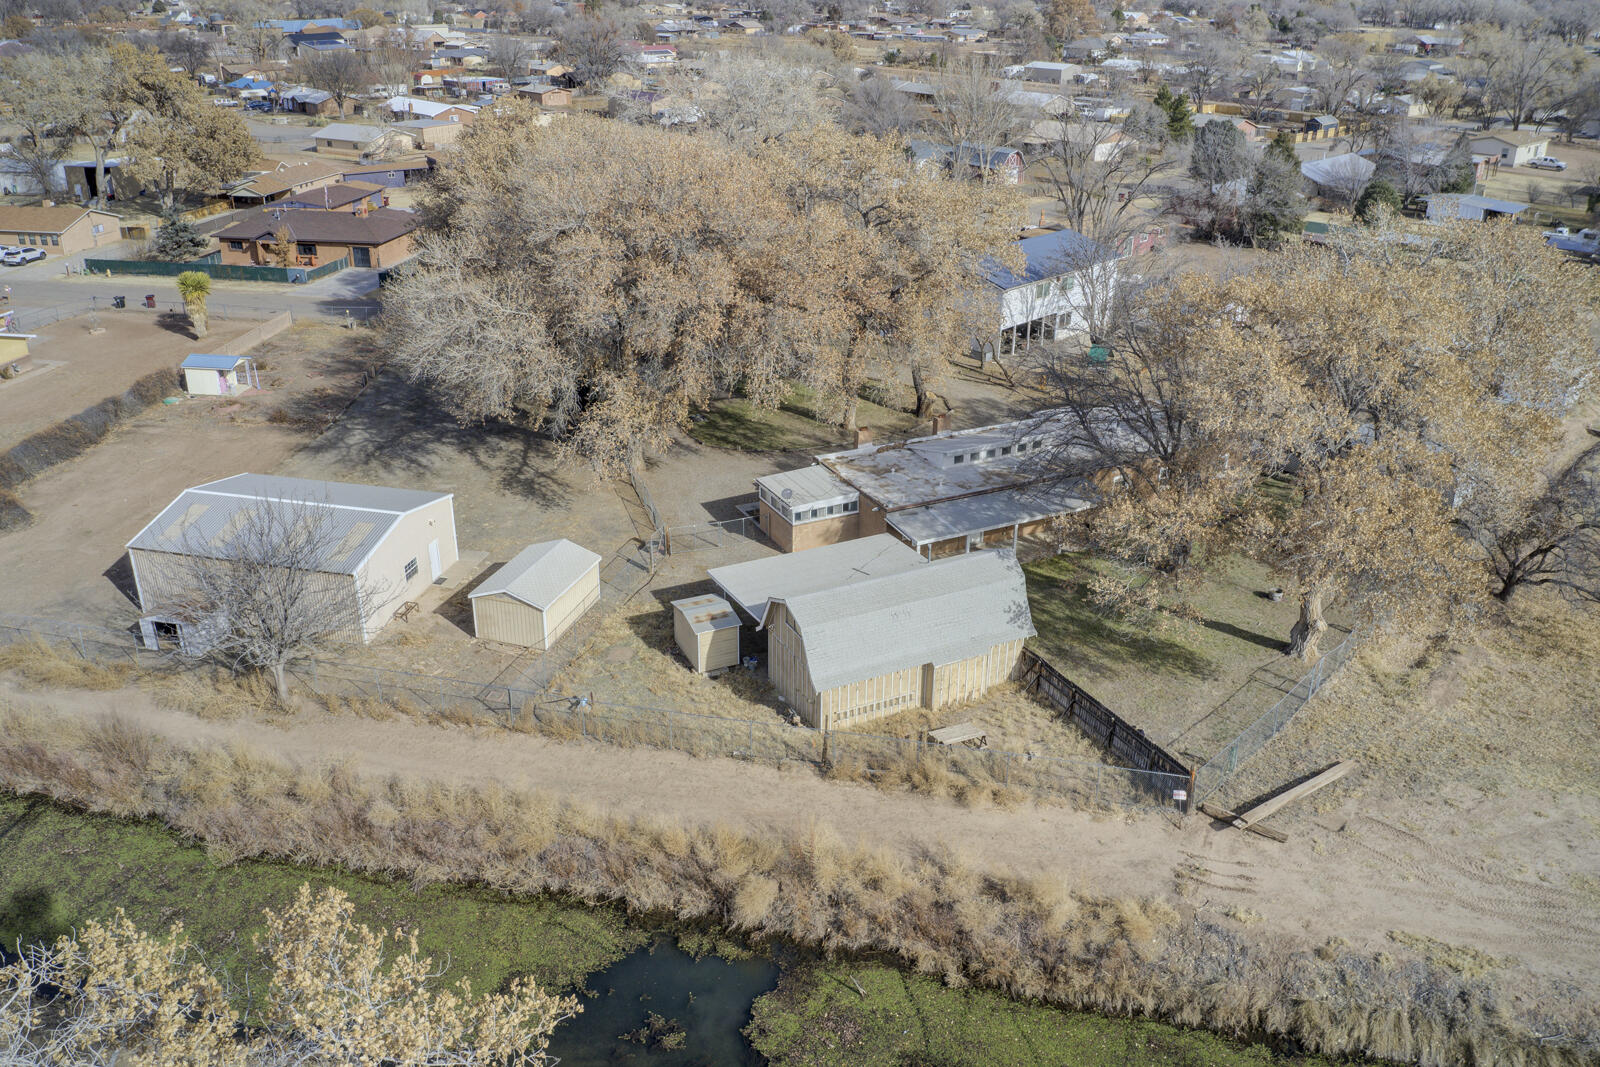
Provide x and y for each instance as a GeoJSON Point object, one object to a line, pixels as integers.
{"type": "Point", "coordinates": [1376, 201]}
{"type": "Point", "coordinates": [177, 242]}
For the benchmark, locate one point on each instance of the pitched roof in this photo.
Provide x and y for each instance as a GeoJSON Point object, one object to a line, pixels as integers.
{"type": "Point", "coordinates": [1519, 138]}
{"type": "Point", "coordinates": [540, 573]}
{"type": "Point", "coordinates": [754, 584]}
{"type": "Point", "coordinates": [1347, 166]}
{"type": "Point", "coordinates": [1049, 255]}
{"type": "Point", "coordinates": [348, 131]}
{"type": "Point", "coordinates": [200, 361]}
{"type": "Point", "coordinates": [946, 611]}
{"type": "Point", "coordinates": [43, 219]}
{"type": "Point", "coordinates": [426, 108]}
{"type": "Point", "coordinates": [285, 176]}
{"type": "Point", "coordinates": [339, 194]}
{"type": "Point", "coordinates": [352, 519]}
{"type": "Point", "coordinates": [335, 227]}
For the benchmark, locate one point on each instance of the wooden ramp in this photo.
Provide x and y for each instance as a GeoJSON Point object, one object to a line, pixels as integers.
{"type": "Point", "coordinates": [1251, 820]}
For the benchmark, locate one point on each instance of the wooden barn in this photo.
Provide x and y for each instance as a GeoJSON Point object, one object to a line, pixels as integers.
{"type": "Point", "coordinates": [707, 631]}
{"type": "Point", "coordinates": [931, 636]}
{"type": "Point", "coordinates": [537, 596]}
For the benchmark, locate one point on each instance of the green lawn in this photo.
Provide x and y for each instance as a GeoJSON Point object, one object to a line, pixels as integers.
{"type": "Point", "coordinates": [797, 425]}
{"type": "Point", "coordinates": [1190, 684]}
{"type": "Point", "coordinates": [817, 1016]}
{"type": "Point", "coordinates": [59, 869]}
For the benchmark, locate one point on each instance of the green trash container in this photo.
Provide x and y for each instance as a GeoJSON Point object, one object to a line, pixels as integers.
{"type": "Point", "coordinates": [1099, 354]}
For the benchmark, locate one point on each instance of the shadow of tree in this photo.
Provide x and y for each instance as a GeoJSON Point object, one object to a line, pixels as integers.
{"type": "Point", "coordinates": [33, 915]}
{"type": "Point", "coordinates": [400, 430]}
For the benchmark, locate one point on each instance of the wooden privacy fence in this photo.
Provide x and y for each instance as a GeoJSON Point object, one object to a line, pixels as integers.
{"type": "Point", "coordinates": [1120, 738]}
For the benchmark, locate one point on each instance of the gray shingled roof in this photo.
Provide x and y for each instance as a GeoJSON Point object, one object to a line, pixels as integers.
{"type": "Point", "coordinates": [753, 584]}
{"type": "Point", "coordinates": [540, 573]}
{"type": "Point", "coordinates": [949, 610]}
{"type": "Point", "coordinates": [203, 520]}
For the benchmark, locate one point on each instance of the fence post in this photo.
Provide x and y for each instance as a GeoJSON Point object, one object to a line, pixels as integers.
{"type": "Point", "coordinates": [377, 681]}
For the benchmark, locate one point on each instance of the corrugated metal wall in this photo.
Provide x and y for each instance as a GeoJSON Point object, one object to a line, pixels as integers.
{"type": "Point", "coordinates": [504, 618]}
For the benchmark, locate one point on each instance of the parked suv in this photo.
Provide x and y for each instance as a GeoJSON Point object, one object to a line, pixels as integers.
{"type": "Point", "coordinates": [18, 256]}
{"type": "Point", "coordinates": [1547, 163]}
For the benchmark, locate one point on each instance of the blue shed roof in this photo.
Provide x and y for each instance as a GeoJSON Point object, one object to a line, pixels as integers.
{"type": "Point", "coordinates": [203, 362]}
{"type": "Point", "coordinates": [1048, 255]}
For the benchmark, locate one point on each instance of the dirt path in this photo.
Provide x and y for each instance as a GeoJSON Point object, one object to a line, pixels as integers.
{"type": "Point", "coordinates": [1355, 875]}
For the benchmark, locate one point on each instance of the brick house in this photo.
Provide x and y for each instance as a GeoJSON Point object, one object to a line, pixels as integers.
{"type": "Point", "coordinates": [378, 238]}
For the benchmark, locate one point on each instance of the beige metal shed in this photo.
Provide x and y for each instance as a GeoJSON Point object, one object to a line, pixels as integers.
{"type": "Point", "coordinates": [538, 595]}
{"type": "Point", "coordinates": [707, 631]}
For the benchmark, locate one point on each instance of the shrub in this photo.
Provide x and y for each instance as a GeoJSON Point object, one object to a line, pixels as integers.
{"type": "Point", "coordinates": [76, 434]}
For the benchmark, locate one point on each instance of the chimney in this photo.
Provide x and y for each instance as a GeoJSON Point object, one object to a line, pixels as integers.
{"type": "Point", "coordinates": [941, 423]}
{"type": "Point", "coordinates": [863, 435]}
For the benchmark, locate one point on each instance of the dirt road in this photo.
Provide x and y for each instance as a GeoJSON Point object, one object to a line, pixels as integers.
{"type": "Point", "coordinates": [1356, 874]}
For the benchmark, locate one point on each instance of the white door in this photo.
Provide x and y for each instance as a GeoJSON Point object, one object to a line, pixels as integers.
{"type": "Point", "coordinates": [433, 558]}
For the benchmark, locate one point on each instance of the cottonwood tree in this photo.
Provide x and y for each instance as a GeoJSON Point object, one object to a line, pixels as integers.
{"type": "Point", "coordinates": [1543, 530]}
{"type": "Point", "coordinates": [265, 590]}
{"type": "Point", "coordinates": [336, 992]}
{"type": "Point", "coordinates": [1522, 70]}
{"type": "Point", "coordinates": [703, 266]}
{"type": "Point", "coordinates": [339, 72]}
{"type": "Point", "coordinates": [873, 105]}
{"type": "Point", "coordinates": [179, 140]}
{"type": "Point", "coordinates": [971, 110]}
{"type": "Point", "coordinates": [592, 46]}
{"type": "Point", "coordinates": [750, 98]}
{"type": "Point", "coordinates": [509, 54]}
{"type": "Point", "coordinates": [1067, 20]}
{"type": "Point", "coordinates": [47, 110]}
{"type": "Point", "coordinates": [1312, 367]}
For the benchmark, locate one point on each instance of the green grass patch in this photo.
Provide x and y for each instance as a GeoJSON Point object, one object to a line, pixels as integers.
{"type": "Point", "coordinates": [819, 1015]}
{"type": "Point", "coordinates": [59, 869]}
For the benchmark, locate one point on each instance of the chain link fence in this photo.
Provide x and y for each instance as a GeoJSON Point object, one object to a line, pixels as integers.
{"type": "Point", "coordinates": [701, 536]}
{"type": "Point", "coordinates": [845, 754]}
{"type": "Point", "coordinates": [1209, 778]}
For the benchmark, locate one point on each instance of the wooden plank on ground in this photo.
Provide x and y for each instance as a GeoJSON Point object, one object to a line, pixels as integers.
{"type": "Point", "coordinates": [1224, 815]}
{"type": "Point", "coordinates": [1289, 796]}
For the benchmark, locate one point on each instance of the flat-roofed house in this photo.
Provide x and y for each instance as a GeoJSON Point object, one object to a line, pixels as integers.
{"type": "Point", "coordinates": [946, 493]}
{"type": "Point", "coordinates": [538, 595]}
{"type": "Point", "coordinates": [377, 547]}
{"type": "Point", "coordinates": [927, 637]}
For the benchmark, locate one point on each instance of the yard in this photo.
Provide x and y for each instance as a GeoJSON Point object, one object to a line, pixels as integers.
{"type": "Point", "coordinates": [1191, 683]}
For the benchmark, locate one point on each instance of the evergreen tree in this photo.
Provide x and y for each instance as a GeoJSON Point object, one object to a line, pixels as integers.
{"type": "Point", "coordinates": [1457, 172]}
{"type": "Point", "coordinates": [1376, 200]}
{"type": "Point", "coordinates": [1180, 119]}
{"type": "Point", "coordinates": [1282, 146]}
{"type": "Point", "coordinates": [178, 242]}
{"type": "Point", "coordinates": [1274, 204]}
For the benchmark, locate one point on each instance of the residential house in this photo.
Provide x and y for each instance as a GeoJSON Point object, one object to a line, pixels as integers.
{"type": "Point", "coordinates": [428, 134]}
{"type": "Point", "coordinates": [1087, 49]}
{"type": "Point", "coordinates": [1252, 131]}
{"type": "Point", "coordinates": [411, 107]}
{"type": "Point", "coordinates": [355, 140]}
{"type": "Point", "coordinates": [281, 178]}
{"type": "Point", "coordinates": [943, 494]}
{"type": "Point", "coordinates": [381, 548]}
{"type": "Point", "coordinates": [1513, 147]}
{"type": "Point", "coordinates": [303, 44]}
{"type": "Point", "coordinates": [1342, 176]}
{"type": "Point", "coordinates": [59, 230]}
{"type": "Point", "coordinates": [1052, 296]}
{"type": "Point", "coordinates": [1436, 44]}
{"type": "Point", "coordinates": [649, 55]}
{"type": "Point", "coordinates": [391, 174]}
{"type": "Point", "coordinates": [1322, 125]}
{"type": "Point", "coordinates": [748, 27]}
{"type": "Point", "coordinates": [343, 196]}
{"type": "Point", "coordinates": [378, 238]}
{"type": "Point", "coordinates": [1102, 141]}
{"type": "Point", "coordinates": [931, 637]}
{"type": "Point", "coordinates": [1147, 39]}
{"type": "Point", "coordinates": [1036, 103]}
{"type": "Point", "coordinates": [969, 161]}
{"type": "Point", "coordinates": [1058, 74]}
{"type": "Point", "coordinates": [308, 101]}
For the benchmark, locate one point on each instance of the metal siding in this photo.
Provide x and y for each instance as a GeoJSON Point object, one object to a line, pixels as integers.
{"type": "Point", "coordinates": [569, 607]}
{"type": "Point", "coordinates": [501, 618]}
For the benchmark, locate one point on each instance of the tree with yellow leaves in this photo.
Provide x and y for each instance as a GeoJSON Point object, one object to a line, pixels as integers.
{"type": "Point", "coordinates": [603, 280]}
{"type": "Point", "coordinates": [1332, 412]}
{"type": "Point", "coordinates": [337, 993]}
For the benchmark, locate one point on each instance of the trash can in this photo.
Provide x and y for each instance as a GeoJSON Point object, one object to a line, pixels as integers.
{"type": "Point", "coordinates": [150, 300]}
{"type": "Point", "coordinates": [119, 301]}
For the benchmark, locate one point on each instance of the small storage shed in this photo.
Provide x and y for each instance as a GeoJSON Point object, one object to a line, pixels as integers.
{"type": "Point", "coordinates": [538, 595]}
{"type": "Point", "coordinates": [707, 630]}
{"type": "Point", "coordinates": [219, 375]}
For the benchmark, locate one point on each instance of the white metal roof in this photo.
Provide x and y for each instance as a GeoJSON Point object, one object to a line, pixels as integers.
{"type": "Point", "coordinates": [707, 613]}
{"type": "Point", "coordinates": [540, 573]}
{"type": "Point", "coordinates": [949, 610]}
{"type": "Point", "coordinates": [990, 511]}
{"type": "Point", "coordinates": [352, 519]}
{"type": "Point", "coordinates": [808, 485]}
{"type": "Point", "coordinates": [752, 585]}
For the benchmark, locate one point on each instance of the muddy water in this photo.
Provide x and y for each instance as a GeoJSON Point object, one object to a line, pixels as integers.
{"type": "Point", "coordinates": [702, 1007]}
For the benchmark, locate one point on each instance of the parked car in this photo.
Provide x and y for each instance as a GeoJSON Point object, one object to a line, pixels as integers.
{"type": "Point", "coordinates": [17, 256]}
{"type": "Point", "coordinates": [225, 101]}
{"type": "Point", "coordinates": [1559, 231]}
{"type": "Point", "coordinates": [1547, 163]}
{"type": "Point", "coordinates": [258, 105]}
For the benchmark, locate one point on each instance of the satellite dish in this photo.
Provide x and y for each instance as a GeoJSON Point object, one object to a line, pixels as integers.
{"type": "Point", "coordinates": [787, 494]}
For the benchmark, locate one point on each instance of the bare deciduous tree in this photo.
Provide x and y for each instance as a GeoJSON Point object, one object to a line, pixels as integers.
{"type": "Point", "coordinates": [339, 72]}
{"type": "Point", "coordinates": [971, 110]}
{"type": "Point", "coordinates": [268, 587]}
{"type": "Point", "coordinates": [1541, 531]}
{"type": "Point", "coordinates": [592, 46]}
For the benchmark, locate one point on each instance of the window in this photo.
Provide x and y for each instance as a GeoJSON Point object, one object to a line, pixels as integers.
{"type": "Point", "coordinates": [1006, 450]}
{"type": "Point", "coordinates": [411, 568]}
{"type": "Point", "coordinates": [236, 246]}
{"type": "Point", "coordinates": [989, 454]}
{"type": "Point", "coordinates": [815, 512]}
{"type": "Point", "coordinates": [303, 249]}
{"type": "Point", "coordinates": [972, 458]}
{"type": "Point", "coordinates": [961, 459]}
{"type": "Point", "coordinates": [850, 507]}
